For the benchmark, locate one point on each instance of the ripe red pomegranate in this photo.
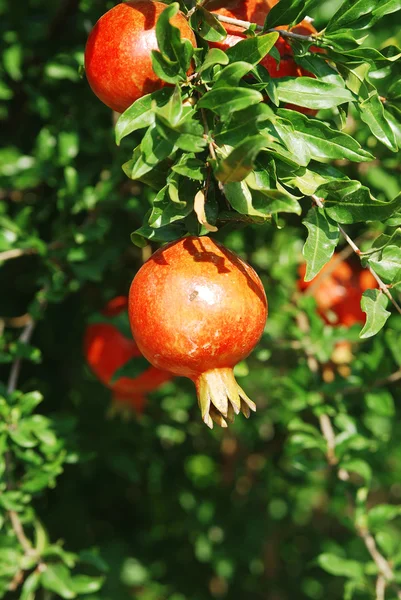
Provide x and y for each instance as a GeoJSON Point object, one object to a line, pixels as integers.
{"type": "Point", "coordinates": [339, 290]}
{"type": "Point", "coordinates": [196, 309]}
{"type": "Point", "coordinates": [107, 350]}
{"type": "Point", "coordinates": [118, 61]}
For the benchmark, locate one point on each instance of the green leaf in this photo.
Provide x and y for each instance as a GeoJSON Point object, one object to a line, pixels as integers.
{"type": "Point", "coordinates": [323, 237]}
{"type": "Point", "coordinates": [226, 100]}
{"type": "Point", "coordinates": [141, 113]}
{"type": "Point", "coordinates": [56, 578]}
{"type": "Point", "coordinates": [190, 166]}
{"type": "Point", "coordinates": [163, 234]}
{"type": "Point", "coordinates": [12, 60]}
{"type": "Point", "coordinates": [187, 134]}
{"type": "Point", "coordinates": [231, 75]}
{"type": "Point", "coordinates": [351, 202]}
{"type": "Point", "coordinates": [353, 14]}
{"type": "Point", "coordinates": [239, 163]}
{"type": "Point", "coordinates": [173, 109]}
{"type": "Point", "coordinates": [380, 402]}
{"type": "Point", "coordinates": [207, 26]}
{"type": "Point", "coordinates": [172, 48]}
{"type": "Point", "coordinates": [215, 56]}
{"type": "Point", "coordinates": [243, 124]}
{"type": "Point", "coordinates": [342, 567]}
{"type": "Point", "coordinates": [322, 142]}
{"type": "Point", "coordinates": [153, 149]}
{"type": "Point", "coordinates": [252, 50]}
{"type": "Point", "coordinates": [361, 467]}
{"type": "Point", "coordinates": [258, 203]}
{"type": "Point", "coordinates": [30, 586]}
{"type": "Point", "coordinates": [288, 12]}
{"type": "Point", "coordinates": [374, 304]}
{"type": "Point", "coordinates": [83, 584]}
{"type": "Point", "coordinates": [311, 93]}
{"type": "Point", "coordinates": [389, 263]}
{"type": "Point", "coordinates": [133, 368]}
{"type": "Point", "coordinates": [372, 113]}
{"type": "Point", "coordinates": [381, 514]}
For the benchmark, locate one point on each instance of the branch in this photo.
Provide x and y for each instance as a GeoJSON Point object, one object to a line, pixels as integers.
{"type": "Point", "coordinates": [15, 520]}
{"type": "Point", "coordinates": [381, 585]}
{"type": "Point", "coordinates": [16, 253]}
{"type": "Point", "coordinates": [386, 572]}
{"type": "Point", "coordinates": [358, 252]}
{"type": "Point", "coordinates": [248, 25]}
{"type": "Point", "coordinates": [16, 366]}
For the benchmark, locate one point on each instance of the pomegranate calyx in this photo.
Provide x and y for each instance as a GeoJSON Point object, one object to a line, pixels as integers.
{"type": "Point", "coordinates": [220, 397]}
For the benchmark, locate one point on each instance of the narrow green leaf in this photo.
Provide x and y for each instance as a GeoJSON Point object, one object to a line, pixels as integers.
{"type": "Point", "coordinates": [381, 514]}
{"type": "Point", "coordinates": [57, 579]}
{"type": "Point", "coordinates": [153, 149]}
{"type": "Point", "coordinates": [239, 163]}
{"type": "Point", "coordinates": [389, 263]}
{"type": "Point", "coordinates": [207, 26]}
{"type": "Point", "coordinates": [374, 304]}
{"type": "Point", "coordinates": [352, 14]}
{"type": "Point", "coordinates": [361, 467]}
{"type": "Point", "coordinates": [343, 567]}
{"type": "Point", "coordinates": [83, 584]}
{"type": "Point", "coordinates": [372, 113]}
{"type": "Point", "coordinates": [226, 100]}
{"type": "Point", "coordinates": [323, 237]}
{"type": "Point", "coordinates": [323, 142]}
{"type": "Point", "coordinates": [288, 12]}
{"type": "Point", "coordinates": [252, 50]}
{"type": "Point", "coordinates": [311, 93]}
{"type": "Point", "coordinates": [215, 56]}
{"type": "Point", "coordinates": [141, 114]}
{"type": "Point", "coordinates": [257, 203]}
{"type": "Point", "coordinates": [231, 75]}
{"type": "Point", "coordinates": [350, 202]}
{"type": "Point", "coordinates": [191, 167]}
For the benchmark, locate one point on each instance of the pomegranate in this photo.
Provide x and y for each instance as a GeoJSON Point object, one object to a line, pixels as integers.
{"type": "Point", "coordinates": [118, 61]}
{"type": "Point", "coordinates": [107, 350]}
{"type": "Point", "coordinates": [339, 290]}
{"type": "Point", "coordinates": [196, 309]}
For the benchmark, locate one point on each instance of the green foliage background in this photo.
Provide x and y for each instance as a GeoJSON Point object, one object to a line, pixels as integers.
{"type": "Point", "coordinates": [160, 507]}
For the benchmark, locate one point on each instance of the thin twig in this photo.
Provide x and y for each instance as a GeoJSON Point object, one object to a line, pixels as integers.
{"type": "Point", "coordinates": [16, 366]}
{"type": "Point", "coordinates": [16, 253]}
{"type": "Point", "coordinates": [381, 585]}
{"type": "Point", "coordinates": [207, 133]}
{"type": "Point", "coordinates": [381, 563]}
{"type": "Point", "coordinates": [248, 25]}
{"type": "Point", "coordinates": [357, 251]}
{"type": "Point", "coordinates": [15, 520]}
{"type": "Point", "coordinates": [384, 567]}
{"type": "Point", "coordinates": [330, 437]}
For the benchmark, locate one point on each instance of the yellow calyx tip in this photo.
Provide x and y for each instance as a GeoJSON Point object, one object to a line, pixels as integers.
{"type": "Point", "coordinates": [220, 397]}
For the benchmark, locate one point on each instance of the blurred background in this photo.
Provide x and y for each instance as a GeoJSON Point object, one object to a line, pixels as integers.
{"type": "Point", "coordinates": [175, 511]}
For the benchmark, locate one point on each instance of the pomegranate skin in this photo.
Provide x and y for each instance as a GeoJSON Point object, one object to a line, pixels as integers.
{"type": "Point", "coordinates": [196, 309]}
{"type": "Point", "coordinates": [118, 62]}
{"type": "Point", "coordinates": [339, 290]}
{"type": "Point", "coordinates": [106, 350]}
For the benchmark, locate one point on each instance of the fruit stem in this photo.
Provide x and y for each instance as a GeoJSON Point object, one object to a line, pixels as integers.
{"type": "Point", "coordinates": [248, 24]}
{"type": "Point", "coordinates": [220, 397]}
